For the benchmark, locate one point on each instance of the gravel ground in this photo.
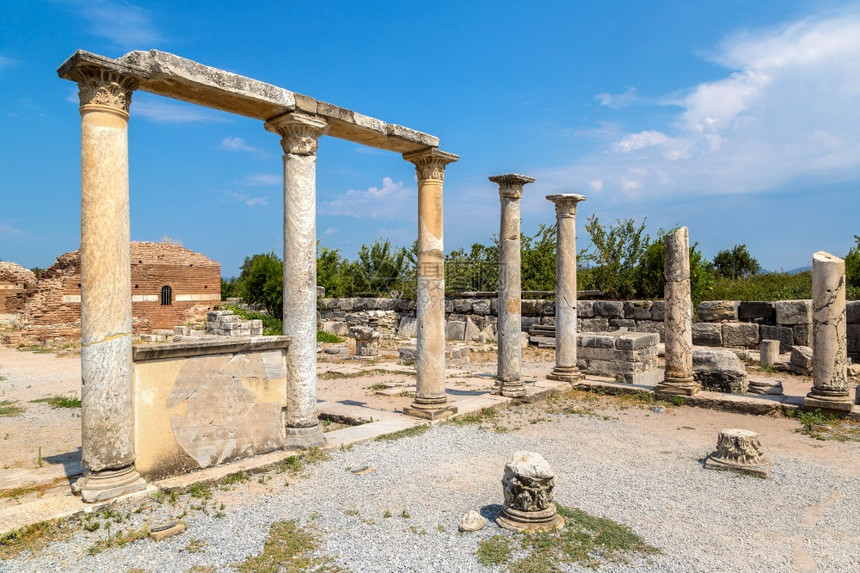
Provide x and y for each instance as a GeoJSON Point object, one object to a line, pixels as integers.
{"type": "Point", "coordinates": [633, 466]}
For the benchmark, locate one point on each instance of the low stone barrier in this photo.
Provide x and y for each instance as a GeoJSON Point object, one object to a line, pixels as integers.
{"type": "Point", "coordinates": [629, 357]}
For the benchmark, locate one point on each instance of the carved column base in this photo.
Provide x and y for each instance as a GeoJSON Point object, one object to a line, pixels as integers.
{"type": "Point", "coordinates": [304, 438]}
{"type": "Point", "coordinates": [546, 519]}
{"type": "Point", "coordinates": [108, 484]}
{"type": "Point", "coordinates": [677, 387]}
{"type": "Point", "coordinates": [430, 411]}
{"type": "Point", "coordinates": [739, 451]}
{"type": "Point", "coordinates": [509, 388]}
{"type": "Point", "coordinates": [835, 403]}
{"type": "Point", "coordinates": [569, 374]}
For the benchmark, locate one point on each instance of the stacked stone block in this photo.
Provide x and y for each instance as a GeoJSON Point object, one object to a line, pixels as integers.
{"type": "Point", "coordinates": [629, 357]}
{"type": "Point", "coordinates": [225, 323]}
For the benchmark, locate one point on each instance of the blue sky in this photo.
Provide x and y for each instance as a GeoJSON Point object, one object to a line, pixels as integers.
{"type": "Point", "coordinates": [738, 119]}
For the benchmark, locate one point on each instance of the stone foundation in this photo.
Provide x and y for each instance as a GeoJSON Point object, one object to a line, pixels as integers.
{"type": "Point", "coordinates": [629, 357]}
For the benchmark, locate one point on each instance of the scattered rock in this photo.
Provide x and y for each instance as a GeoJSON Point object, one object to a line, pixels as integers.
{"type": "Point", "coordinates": [769, 386]}
{"type": "Point", "coordinates": [472, 521]}
{"type": "Point", "coordinates": [165, 530]}
{"type": "Point", "coordinates": [719, 370]}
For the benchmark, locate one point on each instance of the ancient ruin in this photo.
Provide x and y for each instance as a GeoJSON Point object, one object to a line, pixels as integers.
{"type": "Point", "coordinates": [830, 365]}
{"type": "Point", "coordinates": [566, 369]}
{"type": "Point", "coordinates": [510, 285]}
{"type": "Point", "coordinates": [527, 485]}
{"type": "Point", "coordinates": [739, 451]}
{"type": "Point", "coordinates": [678, 314]}
{"type": "Point", "coordinates": [105, 88]}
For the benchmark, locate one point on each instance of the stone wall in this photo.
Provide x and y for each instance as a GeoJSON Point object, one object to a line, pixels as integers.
{"type": "Point", "coordinates": [51, 308]}
{"type": "Point", "coordinates": [730, 324]}
{"type": "Point", "coordinates": [14, 279]}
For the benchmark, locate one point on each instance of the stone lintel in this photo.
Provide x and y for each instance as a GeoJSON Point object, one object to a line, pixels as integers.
{"type": "Point", "coordinates": [208, 347]}
{"type": "Point", "coordinates": [166, 74]}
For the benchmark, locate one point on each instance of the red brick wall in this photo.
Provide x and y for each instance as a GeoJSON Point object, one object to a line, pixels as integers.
{"type": "Point", "coordinates": [153, 265]}
{"type": "Point", "coordinates": [14, 280]}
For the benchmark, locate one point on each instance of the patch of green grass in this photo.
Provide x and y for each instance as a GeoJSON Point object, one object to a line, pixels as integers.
{"type": "Point", "coordinates": [60, 401]}
{"type": "Point", "coordinates": [200, 491]}
{"type": "Point", "coordinates": [196, 545]}
{"type": "Point", "coordinates": [239, 477]}
{"type": "Point", "coordinates": [32, 538]}
{"type": "Point", "coordinates": [676, 400]}
{"type": "Point", "coordinates": [386, 514]}
{"type": "Point", "coordinates": [585, 540]}
{"type": "Point", "coordinates": [327, 337]}
{"type": "Point", "coordinates": [337, 375]}
{"type": "Point", "coordinates": [297, 462]}
{"type": "Point", "coordinates": [119, 539]}
{"type": "Point", "coordinates": [820, 426]}
{"type": "Point", "coordinates": [494, 551]}
{"type": "Point", "coordinates": [482, 416]}
{"type": "Point", "coordinates": [405, 433]}
{"type": "Point", "coordinates": [10, 409]}
{"type": "Point", "coordinates": [289, 549]}
{"type": "Point", "coordinates": [378, 386]}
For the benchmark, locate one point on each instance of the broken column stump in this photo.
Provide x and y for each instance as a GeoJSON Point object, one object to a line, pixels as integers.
{"type": "Point", "coordinates": [739, 451]}
{"type": "Point", "coordinates": [528, 484]}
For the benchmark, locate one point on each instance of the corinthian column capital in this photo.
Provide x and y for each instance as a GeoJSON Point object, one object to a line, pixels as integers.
{"type": "Point", "coordinates": [430, 163]}
{"type": "Point", "coordinates": [511, 184]}
{"type": "Point", "coordinates": [299, 133]}
{"type": "Point", "coordinates": [104, 88]}
{"type": "Point", "coordinates": [565, 204]}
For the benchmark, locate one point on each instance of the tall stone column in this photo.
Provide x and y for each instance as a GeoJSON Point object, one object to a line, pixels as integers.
{"type": "Point", "coordinates": [678, 318]}
{"type": "Point", "coordinates": [565, 288]}
{"type": "Point", "coordinates": [510, 286]}
{"type": "Point", "coordinates": [299, 138]}
{"type": "Point", "coordinates": [431, 402]}
{"type": "Point", "coordinates": [107, 393]}
{"type": "Point", "coordinates": [829, 351]}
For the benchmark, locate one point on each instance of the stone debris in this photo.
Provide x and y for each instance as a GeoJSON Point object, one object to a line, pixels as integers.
{"type": "Point", "coordinates": [226, 323]}
{"type": "Point", "coordinates": [366, 341]}
{"type": "Point", "coordinates": [159, 532]}
{"type": "Point", "coordinates": [768, 352]}
{"type": "Point", "coordinates": [719, 370]}
{"type": "Point", "coordinates": [769, 386]}
{"type": "Point", "coordinates": [336, 350]}
{"type": "Point", "coordinates": [528, 488]}
{"type": "Point", "coordinates": [472, 521]}
{"type": "Point", "coordinates": [739, 451]}
{"type": "Point", "coordinates": [629, 357]}
{"type": "Point", "coordinates": [800, 361]}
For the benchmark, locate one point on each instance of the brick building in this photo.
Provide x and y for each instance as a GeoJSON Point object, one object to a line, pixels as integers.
{"type": "Point", "coordinates": [170, 286]}
{"type": "Point", "coordinates": [14, 280]}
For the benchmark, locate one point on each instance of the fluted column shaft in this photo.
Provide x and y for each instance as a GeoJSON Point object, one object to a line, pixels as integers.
{"type": "Point", "coordinates": [829, 349]}
{"type": "Point", "coordinates": [565, 369]}
{"type": "Point", "coordinates": [430, 398]}
{"type": "Point", "coordinates": [678, 317]}
{"type": "Point", "coordinates": [510, 285]}
{"type": "Point", "coordinates": [299, 135]}
{"type": "Point", "coordinates": [107, 393]}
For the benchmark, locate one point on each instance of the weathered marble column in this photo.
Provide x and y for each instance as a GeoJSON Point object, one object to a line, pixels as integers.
{"type": "Point", "coordinates": [299, 134]}
{"type": "Point", "coordinates": [829, 352]}
{"type": "Point", "coordinates": [565, 288]}
{"type": "Point", "coordinates": [678, 318]}
{"type": "Point", "coordinates": [509, 328]}
{"type": "Point", "coordinates": [107, 393]}
{"type": "Point", "coordinates": [430, 399]}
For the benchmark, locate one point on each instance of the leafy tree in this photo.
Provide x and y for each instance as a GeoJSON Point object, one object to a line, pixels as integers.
{"type": "Point", "coordinates": [736, 263]}
{"type": "Point", "coordinates": [616, 254]}
{"type": "Point", "coordinates": [261, 281]}
{"type": "Point", "coordinates": [477, 270]}
{"type": "Point", "coordinates": [333, 273]}
{"type": "Point", "coordinates": [381, 268]}
{"type": "Point", "coordinates": [538, 259]}
{"type": "Point", "coordinates": [651, 282]}
{"type": "Point", "coordinates": [852, 264]}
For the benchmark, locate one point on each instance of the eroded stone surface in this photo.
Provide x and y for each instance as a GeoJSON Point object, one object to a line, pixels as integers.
{"type": "Point", "coordinates": [719, 370]}
{"type": "Point", "coordinates": [528, 489]}
{"type": "Point", "coordinates": [740, 451]}
{"type": "Point", "coordinates": [472, 521]}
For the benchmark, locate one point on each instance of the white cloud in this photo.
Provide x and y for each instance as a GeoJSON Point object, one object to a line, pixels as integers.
{"type": "Point", "coordinates": [239, 197]}
{"type": "Point", "coordinates": [126, 25]}
{"type": "Point", "coordinates": [786, 110]}
{"type": "Point", "coordinates": [6, 62]}
{"type": "Point", "coordinates": [616, 101]}
{"type": "Point", "coordinates": [239, 144]}
{"type": "Point", "coordinates": [163, 111]}
{"type": "Point", "coordinates": [389, 201]}
{"type": "Point", "coordinates": [329, 231]}
{"type": "Point", "coordinates": [263, 180]}
{"type": "Point", "coordinates": [9, 230]}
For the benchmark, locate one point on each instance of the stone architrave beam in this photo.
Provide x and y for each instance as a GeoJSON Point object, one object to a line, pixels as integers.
{"type": "Point", "coordinates": [510, 285]}
{"type": "Point", "coordinates": [565, 369]}
{"type": "Point", "coordinates": [299, 138]}
{"type": "Point", "coordinates": [165, 74]}
{"type": "Point", "coordinates": [829, 351]}
{"type": "Point", "coordinates": [430, 399]}
{"type": "Point", "coordinates": [678, 316]}
{"type": "Point", "coordinates": [107, 393]}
